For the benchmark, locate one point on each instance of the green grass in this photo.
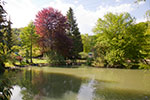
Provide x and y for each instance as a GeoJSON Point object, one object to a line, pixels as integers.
{"type": "Point", "coordinates": [8, 64]}
{"type": "Point", "coordinates": [37, 61]}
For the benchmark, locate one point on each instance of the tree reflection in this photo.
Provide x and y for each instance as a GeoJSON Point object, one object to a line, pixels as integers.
{"type": "Point", "coordinates": [5, 86]}
{"type": "Point", "coordinates": [50, 85]}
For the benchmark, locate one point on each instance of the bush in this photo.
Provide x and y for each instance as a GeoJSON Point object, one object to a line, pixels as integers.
{"type": "Point", "coordinates": [83, 55]}
{"type": "Point", "coordinates": [89, 61]}
{"type": "Point", "coordinates": [144, 66]}
{"type": "Point", "coordinates": [98, 62]}
{"type": "Point", "coordinates": [55, 59]}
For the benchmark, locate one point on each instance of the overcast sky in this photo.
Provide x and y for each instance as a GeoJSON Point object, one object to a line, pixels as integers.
{"type": "Point", "coordinates": [86, 11]}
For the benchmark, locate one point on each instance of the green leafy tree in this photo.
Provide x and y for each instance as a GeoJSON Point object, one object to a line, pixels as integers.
{"type": "Point", "coordinates": [74, 33]}
{"type": "Point", "coordinates": [16, 36]}
{"type": "Point", "coordinates": [119, 40]}
{"type": "Point", "coordinates": [29, 39]}
{"type": "Point", "coordinates": [88, 42]}
{"type": "Point", "coordinates": [146, 27]}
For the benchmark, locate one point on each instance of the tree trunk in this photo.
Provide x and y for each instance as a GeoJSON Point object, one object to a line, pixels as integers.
{"type": "Point", "coordinates": [27, 56]}
{"type": "Point", "coordinates": [31, 53]}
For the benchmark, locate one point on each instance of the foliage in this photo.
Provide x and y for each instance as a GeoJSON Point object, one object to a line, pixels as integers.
{"type": "Point", "coordinates": [7, 43]}
{"type": "Point", "coordinates": [88, 42]}
{"type": "Point", "coordinates": [6, 37]}
{"type": "Point", "coordinates": [83, 55]}
{"type": "Point", "coordinates": [145, 37]}
{"type": "Point", "coordinates": [119, 40]}
{"type": "Point", "coordinates": [144, 66]}
{"type": "Point", "coordinates": [74, 34]}
{"type": "Point", "coordinates": [16, 36]}
{"type": "Point", "coordinates": [51, 25]}
{"type": "Point", "coordinates": [2, 26]}
{"type": "Point", "coordinates": [5, 86]}
{"type": "Point", "coordinates": [29, 39]}
{"type": "Point", "coordinates": [89, 61]}
{"type": "Point", "coordinates": [17, 31]}
{"type": "Point", "coordinates": [98, 61]}
{"type": "Point", "coordinates": [55, 59]}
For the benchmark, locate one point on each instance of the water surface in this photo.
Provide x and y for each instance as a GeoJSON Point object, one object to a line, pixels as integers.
{"type": "Point", "coordinates": [79, 84]}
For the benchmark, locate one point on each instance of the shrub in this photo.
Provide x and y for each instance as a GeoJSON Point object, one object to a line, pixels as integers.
{"type": "Point", "coordinates": [144, 66]}
{"type": "Point", "coordinates": [89, 61]}
{"type": "Point", "coordinates": [55, 59]}
{"type": "Point", "coordinates": [83, 55]}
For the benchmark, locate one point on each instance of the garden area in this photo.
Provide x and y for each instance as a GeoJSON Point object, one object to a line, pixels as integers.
{"type": "Point", "coordinates": [50, 50]}
{"type": "Point", "coordinates": [53, 39]}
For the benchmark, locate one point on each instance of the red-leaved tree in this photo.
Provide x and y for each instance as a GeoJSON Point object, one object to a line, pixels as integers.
{"type": "Point", "coordinates": [51, 25]}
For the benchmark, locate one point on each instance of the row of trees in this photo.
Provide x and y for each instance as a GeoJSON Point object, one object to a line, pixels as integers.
{"type": "Point", "coordinates": [52, 34]}
{"type": "Point", "coordinates": [119, 42]}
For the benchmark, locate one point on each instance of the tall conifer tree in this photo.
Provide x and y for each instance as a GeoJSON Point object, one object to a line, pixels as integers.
{"type": "Point", "coordinates": [6, 41]}
{"type": "Point", "coordinates": [2, 27]}
{"type": "Point", "coordinates": [73, 32]}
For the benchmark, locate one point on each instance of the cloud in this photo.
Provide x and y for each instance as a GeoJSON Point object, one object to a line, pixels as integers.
{"type": "Point", "coordinates": [117, 0]}
{"type": "Point", "coordinates": [141, 20]}
{"type": "Point", "coordinates": [76, 1]}
{"type": "Point", "coordinates": [20, 11]}
{"type": "Point", "coordinates": [87, 18]}
{"type": "Point", "coordinates": [116, 9]}
{"type": "Point", "coordinates": [23, 11]}
{"type": "Point", "coordinates": [141, 3]}
{"type": "Point", "coordinates": [58, 4]}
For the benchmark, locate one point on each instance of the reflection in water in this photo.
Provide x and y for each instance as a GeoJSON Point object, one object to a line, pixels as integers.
{"type": "Point", "coordinates": [16, 93]}
{"type": "Point", "coordinates": [87, 91]}
{"type": "Point", "coordinates": [41, 85]}
{"type": "Point", "coordinates": [67, 90]}
{"type": "Point", "coordinates": [38, 85]}
{"type": "Point", "coordinates": [6, 85]}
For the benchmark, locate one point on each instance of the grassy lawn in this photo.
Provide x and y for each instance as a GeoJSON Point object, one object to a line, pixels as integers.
{"type": "Point", "coordinates": [8, 64]}
{"type": "Point", "coordinates": [36, 61]}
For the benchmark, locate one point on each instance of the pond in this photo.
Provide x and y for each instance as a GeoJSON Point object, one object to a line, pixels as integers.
{"type": "Point", "coordinates": [79, 84]}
